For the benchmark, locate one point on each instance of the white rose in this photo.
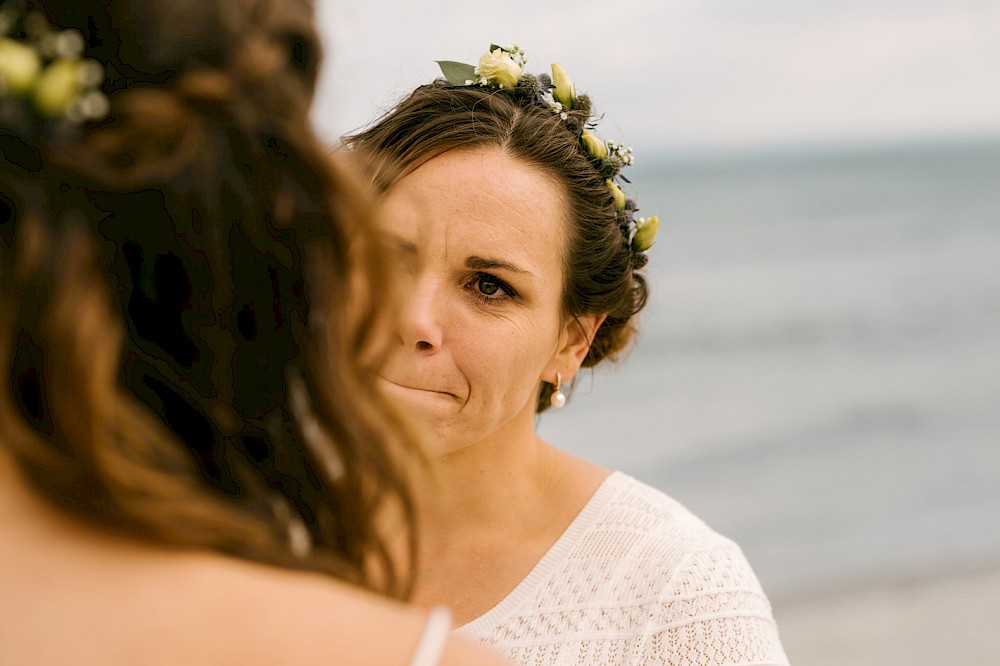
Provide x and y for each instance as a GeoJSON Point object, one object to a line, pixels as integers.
{"type": "Point", "coordinates": [499, 67]}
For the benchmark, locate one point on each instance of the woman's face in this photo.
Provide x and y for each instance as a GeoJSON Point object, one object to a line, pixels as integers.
{"type": "Point", "coordinates": [479, 239]}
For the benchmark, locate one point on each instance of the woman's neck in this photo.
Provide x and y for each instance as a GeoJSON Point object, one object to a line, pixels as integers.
{"type": "Point", "coordinates": [497, 485]}
{"type": "Point", "coordinates": [491, 513]}
{"type": "Point", "coordinates": [472, 483]}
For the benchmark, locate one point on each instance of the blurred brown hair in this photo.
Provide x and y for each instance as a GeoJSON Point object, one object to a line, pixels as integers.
{"type": "Point", "coordinates": [181, 324]}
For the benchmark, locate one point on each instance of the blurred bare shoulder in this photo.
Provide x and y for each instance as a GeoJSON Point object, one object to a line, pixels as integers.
{"type": "Point", "coordinates": [259, 615]}
{"type": "Point", "coordinates": [73, 594]}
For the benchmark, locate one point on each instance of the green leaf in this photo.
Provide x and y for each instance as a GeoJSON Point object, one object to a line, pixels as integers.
{"type": "Point", "coordinates": [494, 47]}
{"type": "Point", "coordinates": [457, 73]}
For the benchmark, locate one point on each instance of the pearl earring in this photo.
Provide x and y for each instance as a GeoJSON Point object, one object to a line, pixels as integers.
{"type": "Point", "coordinates": [558, 398]}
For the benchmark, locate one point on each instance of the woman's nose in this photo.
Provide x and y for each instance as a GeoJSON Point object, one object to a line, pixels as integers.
{"type": "Point", "coordinates": [420, 321]}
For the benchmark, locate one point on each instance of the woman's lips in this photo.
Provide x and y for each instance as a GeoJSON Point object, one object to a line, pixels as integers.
{"type": "Point", "coordinates": [416, 386]}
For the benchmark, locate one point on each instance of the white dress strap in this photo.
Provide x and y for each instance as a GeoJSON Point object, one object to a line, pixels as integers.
{"type": "Point", "coordinates": [435, 636]}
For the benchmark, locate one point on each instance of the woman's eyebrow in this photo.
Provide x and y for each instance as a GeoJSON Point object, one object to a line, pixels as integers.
{"type": "Point", "coordinates": [482, 264]}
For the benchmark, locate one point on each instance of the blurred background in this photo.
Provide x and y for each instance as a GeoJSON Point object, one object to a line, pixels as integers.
{"type": "Point", "coordinates": [818, 374]}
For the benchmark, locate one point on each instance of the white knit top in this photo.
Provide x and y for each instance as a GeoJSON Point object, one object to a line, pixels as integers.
{"type": "Point", "coordinates": [635, 579]}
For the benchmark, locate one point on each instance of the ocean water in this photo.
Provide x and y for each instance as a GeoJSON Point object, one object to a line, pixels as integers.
{"type": "Point", "coordinates": [818, 373]}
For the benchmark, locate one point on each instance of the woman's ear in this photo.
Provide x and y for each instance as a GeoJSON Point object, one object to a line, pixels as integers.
{"type": "Point", "coordinates": [574, 343]}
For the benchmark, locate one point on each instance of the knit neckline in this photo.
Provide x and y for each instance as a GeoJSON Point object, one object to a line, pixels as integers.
{"type": "Point", "coordinates": [513, 602]}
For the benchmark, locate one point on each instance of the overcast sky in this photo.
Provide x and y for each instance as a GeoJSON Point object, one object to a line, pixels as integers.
{"type": "Point", "coordinates": [693, 74]}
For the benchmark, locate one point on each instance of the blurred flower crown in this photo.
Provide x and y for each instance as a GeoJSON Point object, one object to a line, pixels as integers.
{"type": "Point", "coordinates": [44, 77]}
{"type": "Point", "coordinates": [500, 68]}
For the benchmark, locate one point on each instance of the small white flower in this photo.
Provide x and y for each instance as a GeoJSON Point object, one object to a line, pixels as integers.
{"type": "Point", "coordinates": [68, 44]}
{"type": "Point", "coordinates": [517, 53]}
{"type": "Point", "coordinates": [94, 105]}
{"type": "Point", "coordinates": [564, 115]}
{"type": "Point", "coordinates": [90, 73]}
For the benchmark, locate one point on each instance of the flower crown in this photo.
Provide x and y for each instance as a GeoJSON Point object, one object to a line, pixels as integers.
{"type": "Point", "coordinates": [500, 69]}
{"type": "Point", "coordinates": [43, 76]}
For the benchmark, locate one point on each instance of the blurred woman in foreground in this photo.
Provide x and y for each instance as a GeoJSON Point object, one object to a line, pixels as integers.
{"type": "Point", "coordinates": [191, 460]}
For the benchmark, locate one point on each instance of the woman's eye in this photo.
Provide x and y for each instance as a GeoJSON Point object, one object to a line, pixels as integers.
{"type": "Point", "coordinates": [490, 289]}
{"type": "Point", "coordinates": [488, 285]}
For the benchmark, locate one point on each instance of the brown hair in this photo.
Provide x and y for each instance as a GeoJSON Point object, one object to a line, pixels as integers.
{"type": "Point", "coordinates": [601, 272]}
{"type": "Point", "coordinates": [181, 320]}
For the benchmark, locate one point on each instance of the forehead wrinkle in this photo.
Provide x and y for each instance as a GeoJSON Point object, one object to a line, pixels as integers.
{"type": "Point", "coordinates": [503, 253]}
{"type": "Point", "coordinates": [527, 212]}
{"type": "Point", "coordinates": [506, 200]}
{"type": "Point", "coordinates": [445, 239]}
{"type": "Point", "coordinates": [505, 194]}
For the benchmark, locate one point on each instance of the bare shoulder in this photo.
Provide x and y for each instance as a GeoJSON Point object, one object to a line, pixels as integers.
{"type": "Point", "coordinates": [75, 595]}
{"type": "Point", "coordinates": [150, 607]}
{"type": "Point", "coordinates": [251, 614]}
